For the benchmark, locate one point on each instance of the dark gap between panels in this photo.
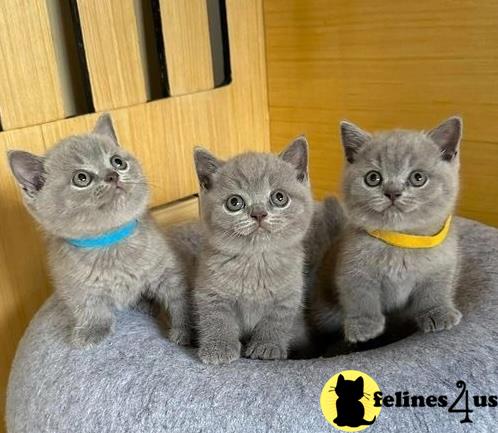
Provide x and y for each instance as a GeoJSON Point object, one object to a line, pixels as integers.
{"type": "Point", "coordinates": [220, 46]}
{"type": "Point", "coordinates": [156, 57]}
{"type": "Point", "coordinates": [75, 48]}
{"type": "Point", "coordinates": [155, 60]}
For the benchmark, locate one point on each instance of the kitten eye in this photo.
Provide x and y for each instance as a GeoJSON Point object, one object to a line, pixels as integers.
{"type": "Point", "coordinates": [82, 179]}
{"type": "Point", "coordinates": [119, 163]}
{"type": "Point", "coordinates": [235, 203]}
{"type": "Point", "coordinates": [279, 198]}
{"type": "Point", "coordinates": [417, 178]}
{"type": "Point", "coordinates": [373, 178]}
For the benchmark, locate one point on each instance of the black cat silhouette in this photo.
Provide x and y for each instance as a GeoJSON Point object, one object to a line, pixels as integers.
{"type": "Point", "coordinates": [350, 410]}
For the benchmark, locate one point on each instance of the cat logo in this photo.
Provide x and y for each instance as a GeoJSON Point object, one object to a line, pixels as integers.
{"type": "Point", "coordinates": [347, 401]}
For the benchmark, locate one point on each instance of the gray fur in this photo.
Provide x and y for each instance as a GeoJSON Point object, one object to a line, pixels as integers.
{"type": "Point", "coordinates": [249, 283]}
{"type": "Point", "coordinates": [326, 226]}
{"type": "Point", "coordinates": [374, 278]}
{"type": "Point", "coordinates": [322, 237]}
{"type": "Point", "coordinates": [94, 282]}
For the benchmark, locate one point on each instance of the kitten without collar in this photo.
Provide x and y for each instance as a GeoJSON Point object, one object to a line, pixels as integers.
{"type": "Point", "coordinates": [84, 186]}
{"type": "Point", "coordinates": [255, 210]}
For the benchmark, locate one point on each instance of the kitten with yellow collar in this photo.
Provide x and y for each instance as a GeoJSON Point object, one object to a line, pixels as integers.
{"type": "Point", "coordinates": [399, 250]}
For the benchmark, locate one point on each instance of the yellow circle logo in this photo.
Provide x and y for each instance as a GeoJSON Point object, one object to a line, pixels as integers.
{"type": "Point", "coordinates": [347, 400]}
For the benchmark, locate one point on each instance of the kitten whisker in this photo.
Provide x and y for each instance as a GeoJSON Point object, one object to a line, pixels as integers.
{"type": "Point", "coordinates": [154, 185]}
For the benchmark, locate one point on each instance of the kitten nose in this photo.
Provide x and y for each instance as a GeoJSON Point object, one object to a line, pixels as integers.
{"type": "Point", "coordinates": [111, 177]}
{"type": "Point", "coordinates": [392, 195]}
{"type": "Point", "coordinates": [258, 213]}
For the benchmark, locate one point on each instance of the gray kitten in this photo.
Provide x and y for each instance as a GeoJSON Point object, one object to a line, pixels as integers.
{"type": "Point", "coordinates": [84, 187]}
{"type": "Point", "coordinates": [400, 181]}
{"type": "Point", "coordinates": [255, 210]}
{"type": "Point", "coordinates": [325, 227]}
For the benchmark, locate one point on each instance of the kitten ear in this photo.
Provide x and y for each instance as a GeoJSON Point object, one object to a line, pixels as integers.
{"type": "Point", "coordinates": [105, 127]}
{"type": "Point", "coordinates": [447, 136]}
{"type": "Point", "coordinates": [353, 139]}
{"type": "Point", "coordinates": [296, 154]}
{"type": "Point", "coordinates": [359, 381]}
{"type": "Point", "coordinates": [28, 170]}
{"type": "Point", "coordinates": [206, 164]}
{"type": "Point", "coordinates": [340, 379]}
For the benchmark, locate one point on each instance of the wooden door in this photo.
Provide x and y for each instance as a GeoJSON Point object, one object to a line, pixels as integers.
{"type": "Point", "coordinates": [173, 74]}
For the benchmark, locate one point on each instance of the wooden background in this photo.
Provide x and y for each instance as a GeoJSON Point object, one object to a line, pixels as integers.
{"type": "Point", "coordinates": [379, 64]}
{"type": "Point", "coordinates": [385, 64]}
{"type": "Point", "coordinates": [39, 105]}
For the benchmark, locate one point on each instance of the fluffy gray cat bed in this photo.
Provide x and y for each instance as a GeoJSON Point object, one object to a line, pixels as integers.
{"type": "Point", "coordinates": [137, 381]}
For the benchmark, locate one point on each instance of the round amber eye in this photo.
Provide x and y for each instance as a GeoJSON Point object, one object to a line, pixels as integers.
{"type": "Point", "coordinates": [235, 203]}
{"type": "Point", "coordinates": [279, 198]}
{"type": "Point", "coordinates": [82, 179]}
{"type": "Point", "coordinates": [119, 163]}
{"type": "Point", "coordinates": [417, 178]}
{"type": "Point", "coordinates": [373, 178]}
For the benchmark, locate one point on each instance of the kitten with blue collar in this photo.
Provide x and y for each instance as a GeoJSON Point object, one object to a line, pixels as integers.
{"type": "Point", "coordinates": [105, 252]}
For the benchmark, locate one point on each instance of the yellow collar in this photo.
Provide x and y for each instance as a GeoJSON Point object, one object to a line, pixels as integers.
{"type": "Point", "coordinates": [404, 240]}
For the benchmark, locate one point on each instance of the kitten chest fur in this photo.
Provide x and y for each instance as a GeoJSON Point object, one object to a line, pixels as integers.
{"type": "Point", "coordinates": [398, 270]}
{"type": "Point", "coordinates": [122, 272]}
{"type": "Point", "coordinates": [254, 282]}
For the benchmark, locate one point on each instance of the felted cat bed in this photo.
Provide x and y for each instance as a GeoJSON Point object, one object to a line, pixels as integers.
{"type": "Point", "coordinates": [137, 381]}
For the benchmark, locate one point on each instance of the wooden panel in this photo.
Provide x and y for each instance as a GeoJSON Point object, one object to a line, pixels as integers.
{"type": "Point", "coordinates": [24, 284]}
{"type": "Point", "coordinates": [227, 120]}
{"type": "Point", "coordinates": [384, 65]}
{"type": "Point", "coordinates": [249, 101]}
{"type": "Point", "coordinates": [29, 85]}
{"type": "Point", "coordinates": [178, 212]}
{"type": "Point", "coordinates": [187, 44]}
{"type": "Point", "coordinates": [114, 52]}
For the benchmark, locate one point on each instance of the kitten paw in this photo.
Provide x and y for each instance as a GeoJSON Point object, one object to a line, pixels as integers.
{"type": "Point", "coordinates": [439, 319]}
{"type": "Point", "coordinates": [264, 350]}
{"type": "Point", "coordinates": [90, 336]}
{"type": "Point", "coordinates": [359, 329]}
{"type": "Point", "coordinates": [179, 336]}
{"type": "Point", "coordinates": [220, 352]}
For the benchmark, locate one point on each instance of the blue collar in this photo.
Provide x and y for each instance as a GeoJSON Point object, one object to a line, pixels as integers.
{"type": "Point", "coordinates": [106, 239]}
